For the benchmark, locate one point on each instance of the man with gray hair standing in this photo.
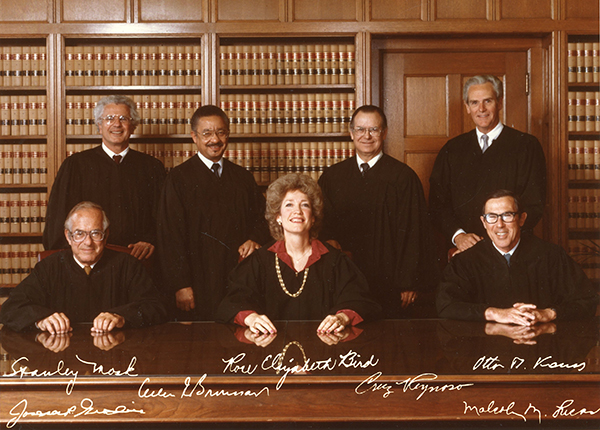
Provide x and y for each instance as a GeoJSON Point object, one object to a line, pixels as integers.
{"type": "Point", "coordinates": [492, 156]}
{"type": "Point", "coordinates": [125, 182]}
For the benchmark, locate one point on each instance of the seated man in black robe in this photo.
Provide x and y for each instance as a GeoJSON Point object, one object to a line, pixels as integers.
{"type": "Point", "coordinates": [86, 283]}
{"type": "Point", "coordinates": [125, 182]}
{"type": "Point", "coordinates": [513, 278]}
{"type": "Point", "coordinates": [493, 156]}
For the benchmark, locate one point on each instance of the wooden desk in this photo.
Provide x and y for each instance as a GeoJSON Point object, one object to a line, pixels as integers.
{"type": "Point", "coordinates": [404, 370]}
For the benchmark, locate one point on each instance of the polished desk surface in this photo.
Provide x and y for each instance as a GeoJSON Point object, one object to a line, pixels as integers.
{"type": "Point", "coordinates": [386, 370]}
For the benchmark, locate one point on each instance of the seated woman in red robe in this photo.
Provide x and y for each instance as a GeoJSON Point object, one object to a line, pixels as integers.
{"type": "Point", "coordinates": [297, 277]}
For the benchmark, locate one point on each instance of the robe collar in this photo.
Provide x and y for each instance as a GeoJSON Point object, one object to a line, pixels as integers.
{"type": "Point", "coordinates": [318, 249]}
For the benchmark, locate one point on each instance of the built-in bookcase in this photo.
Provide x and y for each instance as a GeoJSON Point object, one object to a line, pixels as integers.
{"type": "Point", "coordinates": [583, 60]}
{"type": "Point", "coordinates": [23, 155]}
{"type": "Point", "coordinates": [163, 76]}
{"type": "Point", "coordinates": [289, 100]}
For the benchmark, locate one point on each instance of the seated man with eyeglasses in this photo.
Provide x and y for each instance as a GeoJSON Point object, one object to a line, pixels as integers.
{"type": "Point", "coordinates": [211, 214]}
{"type": "Point", "coordinates": [86, 283]}
{"type": "Point", "coordinates": [375, 208]}
{"type": "Point", "coordinates": [125, 182]}
{"type": "Point", "coordinates": [513, 278]}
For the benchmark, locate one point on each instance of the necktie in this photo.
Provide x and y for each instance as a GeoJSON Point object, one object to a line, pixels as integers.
{"type": "Point", "coordinates": [507, 257]}
{"type": "Point", "coordinates": [117, 158]}
{"type": "Point", "coordinates": [87, 269]}
{"type": "Point", "coordinates": [215, 168]}
{"type": "Point", "coordinates": [485, 140]}
{"type": "Point", "coordinates": [365, 168]}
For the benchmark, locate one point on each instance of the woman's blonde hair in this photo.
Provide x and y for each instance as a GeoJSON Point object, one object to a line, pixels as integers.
{"type": "Point", "coordinates": [277, 192]}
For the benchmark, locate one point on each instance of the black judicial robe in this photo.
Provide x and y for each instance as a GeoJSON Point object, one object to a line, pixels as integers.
{"type": "Point", "coordinates": [203, 220]}
{"type": "Point", "coordinates": [540, 273]}
{"type": "Point", "coordinates": [118, 284]}
{"type": "Point", "coordinates": [382, 220]}
{"type": "Point", "coordinates": [462, 177]}
{"type": "Point", "coordinates": [333, 283]}
{"type": "Point", "coordinates": [128, 192]}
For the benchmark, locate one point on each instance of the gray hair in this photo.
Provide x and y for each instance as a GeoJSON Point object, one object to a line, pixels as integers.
{"type": "Point", "coordinates": [116, 100]}
{"type": "Point", "coordinates": [483, 79]}
{"type": "Point", "coordinates": [86, 206]}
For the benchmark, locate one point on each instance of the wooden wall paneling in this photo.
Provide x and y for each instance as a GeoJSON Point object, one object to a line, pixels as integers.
{"type": "Point", "coordinates": [247, 10]}
{"type": "Point", "coordinates": [171, 11]}
{"type": "Point", "coordinates": [582, 9]}
{"type": "Point", "coordinates": [386, 10]}
{"type": "Point", "coordinates": [26, 10]}
{"type": "Point", "coordinates": [521, 9]}
{"type": "Point", "coordinates": [464, 9]}
{"type": "Point", "coordinates": [104, 11]}
{"type": "Point", "coordinates": [326, 10]}
{"type": "Point", "coordinates": [210, 81]}
{"type": "Point", "coordinates": [362, 60]}
{"type": "Point", "coordinates": [54, 106]}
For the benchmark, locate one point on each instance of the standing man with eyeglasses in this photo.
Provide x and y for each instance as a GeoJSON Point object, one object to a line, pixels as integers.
{"type": "Point", "coordinates": [512, 277]}
{"type": "Point", "coordinates": [488, 158]}
{"type": "Point", "coordinates": [125, 182]}
{"type": "Point", "coordinates": [86, 283]}
{"type": "Point", "coordinates": [211, 215]}
{"type": "Point", "coordinates": [375, 209]}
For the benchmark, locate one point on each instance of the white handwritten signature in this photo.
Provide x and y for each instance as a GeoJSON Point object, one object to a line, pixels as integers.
{"type": "Point", "coordinates": [86, 407]}
{"type": "Point", "coordinates": [417, 383]}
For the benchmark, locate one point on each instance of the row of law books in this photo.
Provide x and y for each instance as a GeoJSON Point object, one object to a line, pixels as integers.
{"type": "Point", "coordinates": [583, 62]}
{"type": "Point", "coordinates": [266, 160]}
{"type": "Point", "coordinates": [583, 111]}
{"type": "Point", "coordinates": [584, 208]}
{"type": "Point", "coordinates": [161, 114]}
{"type": "Point", "coordinates": [288, 113]}
{"type": "Point", "coordinates": [287, 64]}
{"type": "Point", "coordinates": [270, 160]}
{"type": "Point", "coordinates": [587, 255]}
{"type": "Point", "coordinates": [23, 212]}
{"type": "Point", "coordinates": [23, 66]}
{"type": "Point", "coordinates": [125, 65]}
{"type": "Point", "coordinates": [23, 164]}
{"type": "Point", "coordinates": [23, 115]}
{"type": "Point", "coordinates": [17, 261]}
{"type": "Point", "coordinates": [584, 159]}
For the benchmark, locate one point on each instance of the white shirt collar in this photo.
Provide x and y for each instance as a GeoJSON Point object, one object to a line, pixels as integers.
{"type": "Point", "coordinates": [511, 252]}
{"type": "Point", "coordinates": [83, 265]}
{"type": "Point", "coordinates": [371, 162]}
{"type": "Point", "coordinates": [493, 135]}
{"type": "Point", "coordinates": [111, 153]}
{"type": "Point", "coordinates": [210, 163]}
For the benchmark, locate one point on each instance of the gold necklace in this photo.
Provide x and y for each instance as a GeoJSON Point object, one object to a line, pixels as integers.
{"type": "Point", "coordinates": [285, 290]}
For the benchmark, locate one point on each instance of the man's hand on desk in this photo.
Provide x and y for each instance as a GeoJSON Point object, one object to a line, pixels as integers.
{"type": "Point", "coordinates": [408, 298]}
{"type": "Point", "coordinates": [464, 241]}
{"type": "Point", "coordinates": [55, 323]}
{"type": "Point", "coordinates": [185, 299]}
{"type": "Point", "coordinates": [54, 342]}
{"type": "Point", "coordinates": [141, 250]}
{"type": "Point", "coordinates": [106, 322]}
{"type": "Point", "coordinates": [107, 341]}
{"type": "Point", "coordinates": [521, 314]}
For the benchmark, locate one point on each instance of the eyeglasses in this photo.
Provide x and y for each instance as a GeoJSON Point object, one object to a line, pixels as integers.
{"type": "Point", "coordinates": [209, 134]}
{"type": "Point", "coordinates": [79, 236]}
{"type": "Point", "coordinates": [373, 131]}
{"type": "Point", "coordinates": [110, 119]}
{"type": "Point", "coordinates": [492, 218]}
